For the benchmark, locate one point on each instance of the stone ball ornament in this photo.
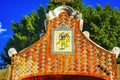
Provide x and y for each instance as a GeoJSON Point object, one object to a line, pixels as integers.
{"type": "Point", "coordinates": [11, 52]}
{"type": "Point", "coordinates": [116, 50]}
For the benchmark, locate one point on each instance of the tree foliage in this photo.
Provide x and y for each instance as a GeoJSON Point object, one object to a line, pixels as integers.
{"type": "Point", "coordinates": [103, 23]}
{"type": "Point", "coordinates": [27, 31]}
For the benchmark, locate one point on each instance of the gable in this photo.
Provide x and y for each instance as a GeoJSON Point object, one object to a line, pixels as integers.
{"type": "Point", "coordinates": [64, 49]}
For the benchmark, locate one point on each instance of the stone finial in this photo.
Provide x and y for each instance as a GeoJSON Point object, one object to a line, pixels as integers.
{"type": "Point", "coordinates": [116, 50]}
{"type": "Point", "coordinates": [12, 51]}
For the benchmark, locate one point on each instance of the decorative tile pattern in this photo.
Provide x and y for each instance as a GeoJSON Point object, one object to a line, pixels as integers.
{"type": "Point", "coordinates": [110, 67]}
{"type": "Point", "coordinates": [49, 64]}
{"type": "Point", "coordinates": [97, 62]}
{"type": "Point", "coordinates": [91, 59]}
{"type": "Point", "coordinates": [55, 64]}
{"type": "Point", "coordinates": [81, 57]}
{"type": "Point", "coordinates": [61, 63]}
{"type": "Point", "coordinates": [63, 16]}
{"type": "Point", "coordinates": [78, 54]}
{"type": "Point", "coordinates": [72, 67]}
{"type": "Point", "coordinates": [66, 64]}
{"type": "Point", "coordinates": [85, 56]}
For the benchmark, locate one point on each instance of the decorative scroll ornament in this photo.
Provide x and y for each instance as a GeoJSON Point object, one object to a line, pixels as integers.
{"type": "Point", "coordinates": [71, 12]}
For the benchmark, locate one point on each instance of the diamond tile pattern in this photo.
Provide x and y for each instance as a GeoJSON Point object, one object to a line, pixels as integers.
{"type": "Point", "coordinates": [88, 58]}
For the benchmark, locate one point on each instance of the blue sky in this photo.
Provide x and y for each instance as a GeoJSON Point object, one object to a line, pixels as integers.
{"type": "Point", "coordinates": [14, 10]}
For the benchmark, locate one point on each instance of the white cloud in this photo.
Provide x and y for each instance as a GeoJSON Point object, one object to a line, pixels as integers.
{"type": "Point", "coordinates": [2, 30]}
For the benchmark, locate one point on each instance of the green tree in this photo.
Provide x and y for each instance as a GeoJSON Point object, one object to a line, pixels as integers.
{"type": "Point", "coordinates": [77, 4]}
{"type": "Point", "coordinates": [105, 27]}
{"type": "Point", "coordinates": [27, 31]}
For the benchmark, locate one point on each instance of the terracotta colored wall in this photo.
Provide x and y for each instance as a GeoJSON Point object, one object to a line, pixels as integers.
{"type": "Point", "coordinates": [38, 59]}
